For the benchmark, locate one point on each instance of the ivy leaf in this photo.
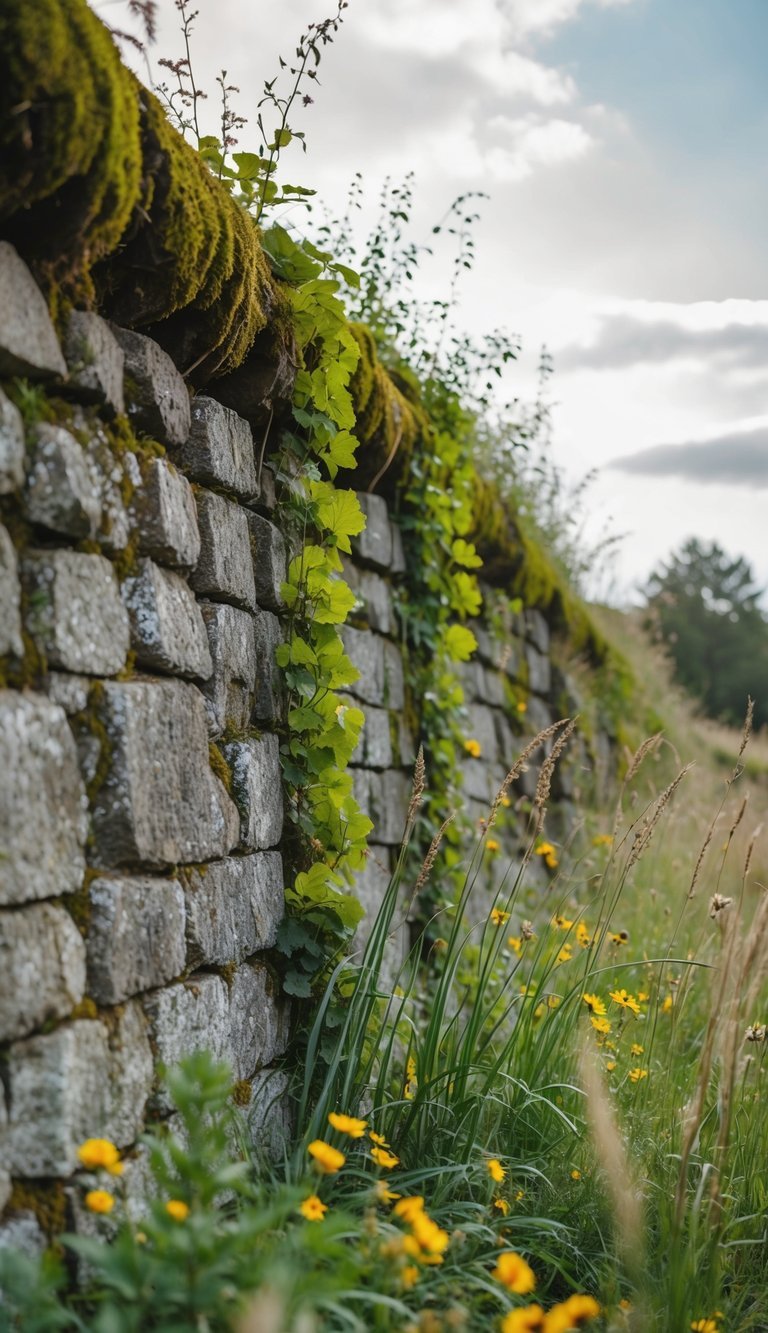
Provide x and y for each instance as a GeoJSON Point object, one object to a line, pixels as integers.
{"type": "Point", "coordinates": [465, 594]}
{"type": "Point", "coordinates": [297, 983]}
{"type": "Point", "coordinates": [464, 553]}
{"type": "Point", "coordinates": [339, 513]}
{"type": "Point", "coordinates": [460, 643]}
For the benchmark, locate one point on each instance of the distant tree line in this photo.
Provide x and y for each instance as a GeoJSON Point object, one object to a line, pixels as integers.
{"type": "Point", "coordinates": [703, 605]}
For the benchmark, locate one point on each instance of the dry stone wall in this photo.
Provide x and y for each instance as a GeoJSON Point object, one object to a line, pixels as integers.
{"type": "Point", "coordinates": [141, 808]}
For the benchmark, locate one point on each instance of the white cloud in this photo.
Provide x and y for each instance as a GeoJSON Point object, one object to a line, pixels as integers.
{"type": "Point", "coordinates": [531, 18]}
{"type": "Point", "coordinates": [533, 142]}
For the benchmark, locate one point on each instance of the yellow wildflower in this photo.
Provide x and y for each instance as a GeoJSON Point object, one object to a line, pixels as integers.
{"type": "Point", "coordinates": [408, 1207]}
{"type": "Point", "coordinates": [637, 1074]}
{"type": "Point", "coordinates": [430, 1237]}
{"type": "Point", "coordinates": [505, 801]}
{"type": "Point", "coordinates": [575, 1175]}
{"type": "Point", "coordinates": [610, 1065]}
{"type": "Point", "coordinates": [313, 1208]}
{"type": "Point", "coordinates": [493, 845]}
{"type": "Point", "coordinates": [521, 706]}
{"type": "Point", "coordinates": [347, 1124]}
{"type": "Point", "coordinates": [501, 1206]}
{"type": "Point", "coordinates": [666, 1004]}
{"type": "Point", "coordinates": [378, 1138]}
{"type": "Point", "coordinates": [328, 1160]}
{"type": "Point", "coordinates": [516, 944]}
{"type": "Point", "coordinates": [519, 1195]}
{"type": "Point", "coordinates": [594, 1004]}
{"type": "Point", "coordinates": [409, 1277]}
{"type": "Point", "coordinates": [554, 1001]}
{"type": "Point", "coordinates": [602, 840]}
{"type": "Point", "coordinates": [562, 922]}
{"type": "Point", "coordinates": [177, 1209]}
{"type": "Point", "coordinates": [571, 1314]}
{"type": "Point", "coordinates": [499, 918]}
{"type": "Point", "coordinates": [473, 748]}
{"type": "Point", "coordinates": [545, 849]}
{"type": "Point", "coordinates": [636, 1048]}
{"type": "Point", "coordinates": [601, 1025]}
{"type": "Point", "coordinates": [623, 998]}
{"type": "Point", "coordinates": [495, 1170]}
{"type": "Point", "coordinates": [582, 935]}
{"type": "Point", "coordinates": [384, 1158]}
{"type": "Point", "coordinates": [705, 1326]}
{"type": "Point", "coordinates": [99, 1201]}
{"type": "Point", "coordinates": [526, 1320]}
{"type": "Point", "coordinates": [514, 1273]}
{"type": "Point", "coordinates": [642, 996]}
{"type": "Point", "coordinates": [96, 1154]}
{"type": "Point", "coordinates": [566, 954]}
{"type": "Point", "coordinates": [619, 937]}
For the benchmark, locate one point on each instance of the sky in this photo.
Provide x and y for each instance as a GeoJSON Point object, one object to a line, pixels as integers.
{"type": "Point", "coordinates": [622, 145]}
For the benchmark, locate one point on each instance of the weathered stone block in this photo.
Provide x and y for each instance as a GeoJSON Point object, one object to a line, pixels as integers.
{"type": "Point", "coordinates": [482, 780]}
{"type": "Point", "coordinates": [95, 360]}
{"type": "Point", "coordinates": [229, 691]}
{"type": "Point", "coordinates": [270, 561]}
{"type": "Point", "coordinates": [539, 672]}
{"type": "Point", "coordinates": [42, 801]}
{"type": "Point", "coordinates": [164, 510]}
{"type": "Point", "coordinates": [11, 446]}
{"type": "Point", "coordinates": [28, 342]}
{"type": "Point", "coordinates": [389, 797]}
{"type": "Point", "coordinates": [59, 1096]}
{"type": "Point", "coordinates": [131, 1073]}
{"type": "Point", "coordinates": [70, 692]}
{"type": "Point", "coordinates": [374, 544]}
{"type": "Point", "coordinates": [75, 612]}
{"type": "Point", "coordinates": [220, 449]}
{"type": "Point", "coordinates": [42, 968]}
{"type": "Point", "coordinates": [480, 726]}
{"type": "Point", "coordinates": [160, 804]}
{"type": "Point", "coordinates": [259, 1019]}
{"type": "Point", "coordinates": [370, 887]}
{"type": "Point", "coordinates": [234, 908]}
{"type": "Point", "coordinates": [135, 936]}
{"type": "Point", "coordinates": [224, 571]}
{"type": "Point", "coordinates": [372, 591]}
{"type": "Point", "coordinates": [268, 1118]}
{"type": "Point", "coordinates": [156, 395]}
{"type": "Point", "coordinates": [62, 493]}
{"type": "Point", "coordinates": [5, 1194]}
{"type": "Point", "coordinates": [397, 566]}
{"type": "Point", "coordinates": [537, 717]}
{"type": "Point", "coordinates": [10, 598]}
{"type": "Point", "coordinates": [375, 748]}
{"type": "Point", "coordinates": [536, 629]}
{"type": "Point", "coordinates": [257, 790]}
{"type": "Point", "coordinates": [366, 652]}
{"type": "Point", "coordinates": [109, 472]}
{"type": "Point", "coordinates": [269, 696]}
{"type": "Point", "coordinates": [23, 1234]}
{"type": "Point", "coordinates": [167, 629]}
{"type": "Point", "coordinates": [188, 1017]}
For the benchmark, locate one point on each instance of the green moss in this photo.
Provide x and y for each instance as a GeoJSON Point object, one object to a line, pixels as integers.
{"type": "Point", "coordinates": [87, 1008]}
{"type": "Point", "coordinates": [241, 1092]}
{"type": "Point", "coordinates": [389, 425]}
{"type": "Point", "coordinates": [227, 973]}
{"type": "Point", "coordinates": [220, 766]}
{"type": "Point", "coordinates": [46, 1200]}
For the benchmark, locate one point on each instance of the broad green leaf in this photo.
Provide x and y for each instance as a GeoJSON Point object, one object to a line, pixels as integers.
{"type": "Point", "coordinates": [460, 643]}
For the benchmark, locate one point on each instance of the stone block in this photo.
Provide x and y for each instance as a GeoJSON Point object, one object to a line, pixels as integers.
{"type": "Point", "coordinates": [11, 446]}
{"type": "Point", "coordinates": [95, 361]}
{"type": "Point", "coordinates": [22, 1233]}
{"type": "Point", "coordinates": [389, 797]}
{"type": "Point", "coordinates": [367, 652]}
{"type": "Point", "coordinates": [234, 908]}
{"type": "Point", "coordinates": [257, 790]}
{"type": "Point", "coordinates": [269, 696]}
{"type": "Point", "coordinates": [219, 449]}
{"type": "Point", "coordinates": [28, 342]}
{"type": "Point", "coordinates": [375, 748]}
{"type": "Point", "coordinates": [190, 1016]}
{"type": "Point", "coordinates": [481, 780]}
{"type": "Point", "coordinates": [163, 508]}
{"type": "Point", "coordinates": [5, 1194]}
{"type": "Point", "coordinates": [42, 801]}
{"type": "Point", "coordinates": [76, 615]}
{"type": "Point", "coordinates": [537, 717]}
{"type": "Point", "coordinates": [110, 473]}
{"type": "Point", "coordinates": [270, 561]}
{"type": "Point", "coordinates": [268, 1118]}
{"type": "Point", "coordinates": [10, 598]}
{"type": "Point", "coordinates": [62, 492]}
{"type": "Point", "coordinates": [159, 803]}
{"type": "Point", "coordinates": [480, 726]}
{"type": "Point", "coordinates": [136, 936]}
{"type": "Point", "coordinates": [59, 1096]}
{"type": "Point", "coordinates": [374, 594]}
{"type": "Point", "coordinates": [374, 544]}
{"type": "Point", "coordinates": [156, 395]}
{"type": "Point", "coordinates": [406, 746]}
{"type": "Point", "coordinates": [536, 629]}
{"type": "Point", "coordinates": [42, 968]}
{"type": "Point", "coordinates": [167, 628]}
{"type": "Point", "coordinates": [259, 1019]}
{"type": "Point", "coordinates": [131, 1073]}
{"type": "Point", "coordinates": [224, 571]}
{"type": "Point", "coordinates": [229, 691]}
{"type": "Point", "coordinates": [539, 671]}
{"type": "Point", "coordinates": [70, 692]}
{"type": "Point", "coordinates": [369, 888]}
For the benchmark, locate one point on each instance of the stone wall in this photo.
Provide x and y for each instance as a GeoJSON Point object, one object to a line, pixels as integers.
{"type": "Point", "coordinates": [141, 809]}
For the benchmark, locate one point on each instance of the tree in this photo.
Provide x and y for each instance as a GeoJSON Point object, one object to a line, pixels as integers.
{"type": "Point", "coordinates": [704, 607]}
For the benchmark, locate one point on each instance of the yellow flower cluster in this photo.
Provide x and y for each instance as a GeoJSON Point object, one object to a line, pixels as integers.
{"type": "Point", "coordinates": [495, 1170]}
{"type": "Point", "coordinates": [347, 1124]}
{"type": "Point", "coordinates": [427, 1242]}
{"type": "Point", "coordinates": [499, 918]}
{"type": "Point", "coordinates": [625, 1000]}
{"type": "Point", "coordinates": [567, 1315]}
{"type": "Point", "coordinates": [100, 1155]}
{"type": "Point", "coordinates": [473, 748]}
{"type": "Point", "coordinates": [547, 850]}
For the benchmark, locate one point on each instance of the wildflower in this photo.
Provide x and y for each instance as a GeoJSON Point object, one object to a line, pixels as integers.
{"type": "Point", "coordinates": [347, 1124]}
{"type": "Point", "coordinates": [408, 1207]}
{"type": "Point", "coordinates": [601, 1025]}
{"type": "Point", "coordinates": [516, 944]}
{"type": "Point", "coordinates": [177, 1209]}
{"type": "Point", "coordinates": [705, 1326]}
{"type": "Point", "coordinates": [718, 904]}
{"type": "Point", "coordinates": [627, 1001]}
{"type": "Point", "coordinates": [619, 937]}
{"type": "Point", "coordinates": [514, 1273]}
{"type": "Point", "coordinates": [594, 1004]}
{"type": "Point", "coordinates": [493, 845]}
{"type": "Point", "coordinates": [473, 748]}
{"type": "Point", "coordinates": [526, 1320]}
{"type": "Point", "coordinates": [527, 932]}
{"type": "Point", "coordinates": [521, 706]}
{"type": "Point", "coordinates": [547, 851]}
{"type": "Point", "coordinates": [637, 1074]}
{"type": "Point", "coordinates": [562, 922]}
{"type": "Point", "coordinates": [570, 1314]}
{"type": "Point", "coordinates": [602, 840]}
{"type": "Point", "coordinates": [519, 1195]}
{"type": "Point", "coordinates": [384, 1158]}
{"type": "Point", "coordinates": [383, 1193]}
{"type": "Point", "coordinates": [495, 1170]}
{"type": "Point", "coordinates": [409, 1277]}
{"type": "Point", "coordinates": [554, 1001]}
{"type": "Point", "coordinates": [313, 1208]}
{"type": "Point", "coordinates": [575, 1175]}
{"type": "Point", "coordinates": [666, 1004]}
{"type": "Point", "coordinates": [499, 918]}
{"type": "Point", "coordinates": [429, 1236]}
{"type": "Point", "coordinates": [642, 996]}
{"type": "Point", "coordinates": [328, 1160]}
{"type": "Point", "coordinates": [505, 802]}
{"type": "Point", "coordinates": [378, 1138]}
{"type": "Point", "coordinates": [756, 1032]}
{"type": "Point", "coordinates": [98, 1154]}
{"type": "Point", "coordinates": [636, 1048]}
{"type": "Point", "coordinates": [409, 1091]}
{"type": "Point", "coordinates": [582, 935]}
{"type": "Point", "coordinates": [566, 954]}
{"type": "Point", "coordinates": [501, 1206]}
{"type": "Point", "coordinates": [99, 1201]}
{"type": "Point", "coordinates": [610, 1065]}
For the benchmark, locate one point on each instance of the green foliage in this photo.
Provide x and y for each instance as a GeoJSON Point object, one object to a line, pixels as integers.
{"type": "Point", "coordinates": [704, 607]}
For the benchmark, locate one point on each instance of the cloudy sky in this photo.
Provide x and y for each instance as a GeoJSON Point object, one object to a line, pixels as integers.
{"type": "Point", "coordinates": [623, 147]}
